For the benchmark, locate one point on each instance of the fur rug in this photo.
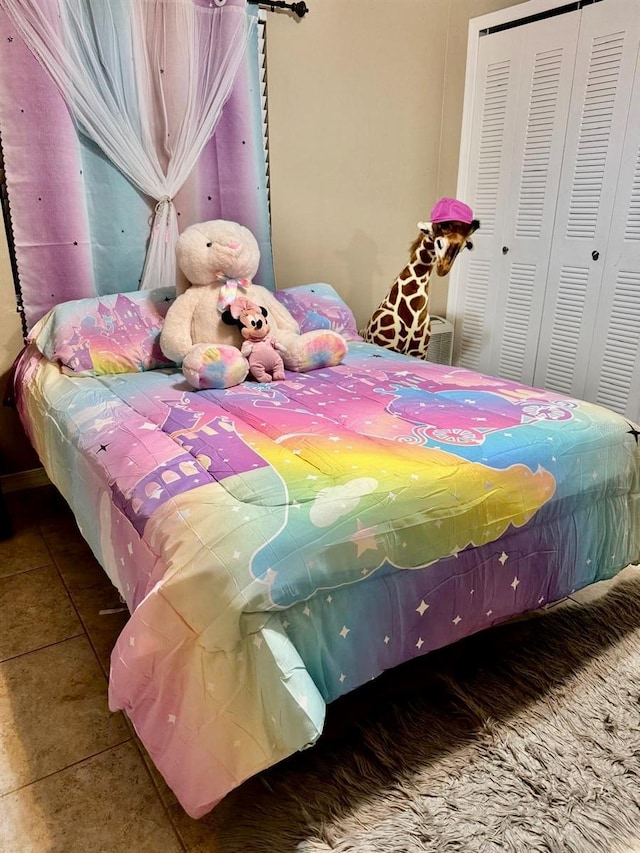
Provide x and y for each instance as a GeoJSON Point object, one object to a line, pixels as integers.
{"type": "Point", "coordinates": [524, 738]}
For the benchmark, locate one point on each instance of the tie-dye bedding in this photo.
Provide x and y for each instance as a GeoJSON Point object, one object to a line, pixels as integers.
{"type": "Point", "coordinates": [279, 545]}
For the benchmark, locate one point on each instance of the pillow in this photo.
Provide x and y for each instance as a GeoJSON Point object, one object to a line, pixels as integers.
{"type": "Point", "coordinates": [119, 333]}
{"type": "Point", "coordinates": [318, 306]}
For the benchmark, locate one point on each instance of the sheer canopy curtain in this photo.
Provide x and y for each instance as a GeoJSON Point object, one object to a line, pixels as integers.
{"type": "Point", "coordinates": [146, 80]}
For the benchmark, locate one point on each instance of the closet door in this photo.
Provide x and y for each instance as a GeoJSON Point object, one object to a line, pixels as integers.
{"type": "Point", "coordinates": [613, 373]}
{"type": "Point", "coordinates": [520, 105]}
{"type": "Point", "coordinates": [592, 280]}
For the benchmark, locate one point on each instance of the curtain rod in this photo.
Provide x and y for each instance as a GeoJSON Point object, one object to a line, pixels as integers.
{"type": "Point", "coordinates": [299, 9]}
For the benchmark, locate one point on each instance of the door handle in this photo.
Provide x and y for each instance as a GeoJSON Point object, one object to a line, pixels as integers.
{"type": "Point", "coordinates": [505, 249]}
{"type": "Point", "coordinates": [595, 255]}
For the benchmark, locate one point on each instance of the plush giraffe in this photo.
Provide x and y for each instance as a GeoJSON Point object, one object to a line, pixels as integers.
{"type": "Point", "coordinates": [402, 321]}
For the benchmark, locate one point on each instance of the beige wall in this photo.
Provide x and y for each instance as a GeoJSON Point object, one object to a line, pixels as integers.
{"type": "Point", "coordinates": [365, 100]}
{"type": "Point", "coordinates": [365, 109]}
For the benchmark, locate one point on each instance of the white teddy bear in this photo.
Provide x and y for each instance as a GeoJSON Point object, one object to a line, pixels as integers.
{"type": "Point", "coordinates": [219, 259]}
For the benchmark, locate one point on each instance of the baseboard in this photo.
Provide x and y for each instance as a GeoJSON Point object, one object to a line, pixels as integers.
{"type": "Point", "coordinates": [21, 480]}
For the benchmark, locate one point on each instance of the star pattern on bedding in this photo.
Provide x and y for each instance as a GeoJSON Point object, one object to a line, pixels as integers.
{"type": "Point", "coordinates": [313, 547]}
{"type": "Point", "coordinates": [533, 412]}
{"type": "Point", "coordinates": [634, 432]}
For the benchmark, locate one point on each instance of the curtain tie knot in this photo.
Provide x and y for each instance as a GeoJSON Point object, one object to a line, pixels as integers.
{"type": "Point", "coordinates": [163, 200]}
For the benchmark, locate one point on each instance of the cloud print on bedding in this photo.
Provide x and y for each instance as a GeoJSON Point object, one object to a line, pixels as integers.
{"type": "Point", "coordinates": [336, 501]}
{"type": "Point", "coordinates": [358, 543]}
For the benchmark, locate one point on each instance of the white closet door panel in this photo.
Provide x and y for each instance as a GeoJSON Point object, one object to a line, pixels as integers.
{"type": "Point", "coordinates": [617, 378]}
{"type": "Point", "coordinates": [521, 102]}
{"type": "Point", "coordinates": [562, 338]}
{"type": "Point", "coordinates": [605, 67]}
{"type": "Point", "coordinates": [494, 103]}
{"type": "Point", "coordinates": [473, 331]}
{"type": "Point", "coordinates": [614, 365]}
{"type": "Point", "coordinates": [517, 344]}
{"type": "Point", "coordinates": [542, 110]}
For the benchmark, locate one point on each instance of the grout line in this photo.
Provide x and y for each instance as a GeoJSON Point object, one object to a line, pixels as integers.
{"type": "Point", "coordinates": [153, 782]}
{"type": "Point", "coordinates": [24, 571]}
{"type": "Point", "coordinates": [80, 619]}
{"type": "Point", "coordinates": [46, 646]}
{"type": "Point", "coordinates": [67, 767]}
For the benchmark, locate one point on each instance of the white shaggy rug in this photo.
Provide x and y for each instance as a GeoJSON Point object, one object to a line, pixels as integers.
{"type": "Point", "coordinates": [524, 739]}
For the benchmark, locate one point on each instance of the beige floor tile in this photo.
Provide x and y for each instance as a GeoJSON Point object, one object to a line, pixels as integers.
{"type": "Point", "coordinates": [97, 601]}
{"type": "Point", "coordinates": [198, 836]}
{"type": "Point", "coordinates": [103, 627]}
{"type": "Point", "coordinates": [106, 804]}
{"type": "Point", "coordinates": [63, 535]}
{"type": "Point", "coordinates": [595, 591]}
{"type": "Point", "coordinates": [80, 570]}
{"type": "Point", "coordinates": [25, 550]}
{"type": "Point", "coordinates": [52, 509]}
{"type": "Point", "coordinates": [53, 518]}
{"type": "Point", "coordinates": [35, 611]}
{"type": "Point", "coordinates": [22, 510]}
{"type": "Point", "coordinates": [53, 712]}
{"type": "Point", "coordinates": [43, 508]}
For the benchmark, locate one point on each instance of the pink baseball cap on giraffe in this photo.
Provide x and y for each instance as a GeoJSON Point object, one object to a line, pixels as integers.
{"type": "Point", "coordinates": [450, 209]}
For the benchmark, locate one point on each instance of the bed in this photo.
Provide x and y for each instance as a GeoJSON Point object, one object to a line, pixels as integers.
{"type": "Point", "coordinates": [279, 545]}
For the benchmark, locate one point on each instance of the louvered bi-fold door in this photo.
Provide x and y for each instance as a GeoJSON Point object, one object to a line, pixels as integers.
{"type": "Point", "coordinates": [613, 377]}
{"type": "Point", "coordinates": [590, 332]}
{"type": "Point", "coordinates": [551, 296]}
{"type": "Point", "coordinates": [520, 107]}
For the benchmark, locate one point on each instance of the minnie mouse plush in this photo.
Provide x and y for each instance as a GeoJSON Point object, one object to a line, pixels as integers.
{"type": "Point", "coordinates": [258, 347]}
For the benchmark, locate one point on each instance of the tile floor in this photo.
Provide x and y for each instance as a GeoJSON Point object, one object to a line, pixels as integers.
{"type": "Point", "coordinates": [73, 776]}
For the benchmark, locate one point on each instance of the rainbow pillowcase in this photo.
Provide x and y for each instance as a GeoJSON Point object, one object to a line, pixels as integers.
{"type": "Point", "coordinates": [120, 333]}
{"type": "Point", "coordinates": [318, 306]}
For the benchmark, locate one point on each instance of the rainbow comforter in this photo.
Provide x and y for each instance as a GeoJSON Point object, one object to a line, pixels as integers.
{"type": "Point", "coordinates": [279, 545]}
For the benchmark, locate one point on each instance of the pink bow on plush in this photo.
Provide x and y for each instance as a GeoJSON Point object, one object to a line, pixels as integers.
{"type": "Point", "coordinates": [242, 305]}
{"type": "Point", "coordinates": [229, 289]}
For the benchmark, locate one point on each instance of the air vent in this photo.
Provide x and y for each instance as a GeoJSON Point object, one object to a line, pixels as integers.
{"type": "Point", "coordinates": [440, 349]}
